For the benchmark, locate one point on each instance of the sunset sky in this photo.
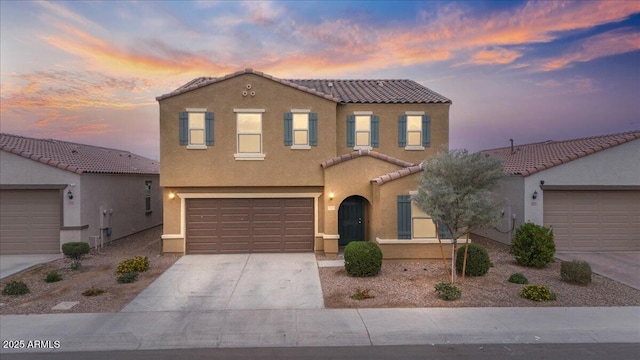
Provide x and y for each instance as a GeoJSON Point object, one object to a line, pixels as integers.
{"type": "Point", "coordinates": [89, 72]}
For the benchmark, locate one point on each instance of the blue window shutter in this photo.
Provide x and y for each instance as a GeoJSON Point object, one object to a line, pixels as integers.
{"type": "Point", "coordinates": [288, 129]}
{"type": "Point", "coordinates": [404, 216]}
{"type": "Point", "coordinates": [375, 131]}
{"type": "Point", "coordinates": [426, 130]}
{"type": "Point", "coordinates": [184, 128]}
{"type": "Point", "coordinates": [313, 129]}
{"type": "Point", "coordinates": [402, 130]}
{"type": "Point", "coordinates": [351, 130]}
{"type": "Point", "coordinates": [208, 128]}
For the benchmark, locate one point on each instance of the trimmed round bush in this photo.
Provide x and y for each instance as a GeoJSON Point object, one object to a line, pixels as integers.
{"type": "Point", "coordinates": [478, 262]}
{"type": "Point", "coordinates": [137, 264]}
{"type": "Point", "coordinates": [537, 293]}
{"type": "Point", "coordinates": [15, 288]}
{"type": "Point", "coordinates": [447, 291]}
{"type": "Point", "coordinates": [75, 250]}
{"type": "Point", "coordinates": [533, 245]}
{"type": "Point", "coordinates": [53, 276]}
{"type": "Point", "coordinates": [128, 277]}
{"type": "Point", "coordinates": [576, 272]}
{"type": "Point", "coordinates": [362, 258]}
{"type": "Point", "coordinates": [517, 278]}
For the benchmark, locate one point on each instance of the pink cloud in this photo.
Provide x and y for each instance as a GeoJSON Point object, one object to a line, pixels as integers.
{"type": "Point", "coordinates": [613, 42]}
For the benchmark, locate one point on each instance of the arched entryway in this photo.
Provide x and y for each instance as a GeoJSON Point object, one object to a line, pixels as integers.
{"type": "Point", "coordinates": [351, 220]}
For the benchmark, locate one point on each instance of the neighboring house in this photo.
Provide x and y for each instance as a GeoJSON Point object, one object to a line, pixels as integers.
{"type": "Point", "coordinates": [253, 163]}
{"type": "Point", "coordinates": [587, 189]}
{"type": "Point", "coordinates": [53, 192]}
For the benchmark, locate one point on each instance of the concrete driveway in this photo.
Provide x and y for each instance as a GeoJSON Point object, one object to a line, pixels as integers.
{"type": "Point", "coordinates": [623, 267]}
{"type": "Point", "coordinates": [12, 264]}
{"type": "Point", "coordinates": [237, 281]}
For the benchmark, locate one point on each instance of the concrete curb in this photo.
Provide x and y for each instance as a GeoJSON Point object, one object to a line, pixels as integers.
{"type": "Point", "coordinates": [320, 327]}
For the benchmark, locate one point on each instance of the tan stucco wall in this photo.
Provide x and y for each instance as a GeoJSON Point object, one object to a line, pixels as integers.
{"type": "Point", "coordinates": [404, 251]}
{"type": "Point", "coordinates": [387, 223]}
{"type": "Point", "coordinates": [349, 178]}
{"type": "Point", "coordinates": [216, 166]}
{"type": "Point", "coordinates": [388, 114]}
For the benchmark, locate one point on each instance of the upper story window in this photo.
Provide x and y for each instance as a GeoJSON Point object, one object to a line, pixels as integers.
{"type": "Point", "coordinates": [362, 130]}
{"type": "Point", "coordinates": [300, 129]}
{"type": "Point", "coordinates": [196, 128]}
{"type": "Point", "coordinates": [249, 134]}
{"type": "Point", "coordinates": [414, 130]}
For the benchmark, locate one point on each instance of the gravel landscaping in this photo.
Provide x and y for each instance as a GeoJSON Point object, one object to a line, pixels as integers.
{"type": "Point", "coordinates": [98, 271]}
{"type": "Point", "coordinates": [412, 285]}
{"type": "Point", "coordinates": [408, 284]}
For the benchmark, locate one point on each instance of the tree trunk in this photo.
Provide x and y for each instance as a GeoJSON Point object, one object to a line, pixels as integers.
{"type": "Point", "coordinates": [444, 259]}
{"type": "Point", "coordinates": [453, 261]}
{"type": "Point", "coordinates": [464, 262]}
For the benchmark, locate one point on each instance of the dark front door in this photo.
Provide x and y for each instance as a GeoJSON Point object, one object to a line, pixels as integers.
{"type": "Point", "coordinates": [351, 220]}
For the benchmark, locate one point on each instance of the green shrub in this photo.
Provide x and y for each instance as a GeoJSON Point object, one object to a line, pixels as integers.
{"type": "Point", "coordinates": [92, 292]}
{"type": "Point", "coordinates": [518, 278]}
{"type": "Point", "coordinates": [576, 272]}
{"type": "Point", "coordinates": [75, 265]}
{"type": "Point", "coordinates": [53, 276]}
{"type": "Point", "coordinates": [15, 288]}
{"type": "Point", "coordinates": [127, 277]}
{"type": "Point", "coordinates": [533, 245]}
{"type": "Point", "coordinates": [478, 262]}
{"type": "Point", "coordinates": [362, 258]}
{"type": "Point", "coordinates": [75, 250]}
{"type": "Point", "coordinates": [137, 264]}
{"type": "Point", "coordinates": [537, 293]}
{"type": "Point", "coordinates": [362, 295]}
{"type": "Point", "coordinates": [448, 291]}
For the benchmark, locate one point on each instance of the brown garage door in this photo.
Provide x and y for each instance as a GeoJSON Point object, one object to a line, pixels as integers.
{"type": "Point", "coordinates": [29, 221]}
{"type": "Point", "coordinates": [225, 226]}
{"type": "Point", "coordinates": [594, 220]}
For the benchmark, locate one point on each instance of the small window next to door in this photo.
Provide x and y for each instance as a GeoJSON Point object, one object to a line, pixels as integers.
{"type": "Point", "coordinates": [147, 196]}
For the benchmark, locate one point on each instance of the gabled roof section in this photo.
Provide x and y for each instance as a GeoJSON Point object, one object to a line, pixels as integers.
{"type": "Point", "coordinates": [529, 159]}
{"type": "Point", "coordinates": [364, 152]}
{"type": "Point", "coordinates": [204, 81]}
{"type": "Point", "coordinates": [78, 158]}
{"type": "Point", "coordinates": [383, 179]}
{"type": "Point", "coordinates": [398, 91]}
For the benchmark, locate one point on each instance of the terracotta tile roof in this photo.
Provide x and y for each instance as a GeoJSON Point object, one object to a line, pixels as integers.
{"type": "Point", "coordinates": [364, 152]}
{"type": "Point", "coordinates": [383, 179]}
{"type": "Point", "coordinates": [344, 91]}
{"type": "Point", "coordinates": [78, 158]}
{"type": "Point", "coordinates": [529, 159]}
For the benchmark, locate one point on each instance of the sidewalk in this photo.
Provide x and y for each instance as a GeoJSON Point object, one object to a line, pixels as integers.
{"type": "Point", "coordinates": [322, 327]}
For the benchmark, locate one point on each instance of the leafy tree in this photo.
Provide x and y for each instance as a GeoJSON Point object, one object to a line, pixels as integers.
{"type": "Point", "coordinates": [456, 190]}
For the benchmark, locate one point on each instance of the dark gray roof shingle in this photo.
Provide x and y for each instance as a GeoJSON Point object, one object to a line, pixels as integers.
{"type": "Point", "coordinates": [78, 158]}
{"type": "Point", "coordinates": [398, 91]}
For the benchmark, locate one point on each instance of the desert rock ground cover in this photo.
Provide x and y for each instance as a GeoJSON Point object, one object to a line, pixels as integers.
{"type": "Point", "coordinates": [397, 285]}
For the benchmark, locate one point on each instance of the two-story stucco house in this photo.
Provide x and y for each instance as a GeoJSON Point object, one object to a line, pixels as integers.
{"type": "Point", "coordinates": [253, 163]}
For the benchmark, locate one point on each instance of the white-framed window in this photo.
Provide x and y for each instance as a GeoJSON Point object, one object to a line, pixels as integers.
{"type": "Point", "coordinates": [249, 134]}
{"type": "Point", "coordinates": [300, 130]}
{"type": "Point", "coordinates": [363, 131]}
{"type": "Point", "coordinates": [422, 226]}
{"type": "Point", "coordinates": [414, 130]}
{"type": "Point", "coordinates": [196, 129]}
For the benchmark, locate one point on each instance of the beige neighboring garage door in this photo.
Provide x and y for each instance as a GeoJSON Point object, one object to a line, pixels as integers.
{"type": "Point", "coordinates": [226, 226]}
{"type": "Point", "coordinates": [29, 222]}
{"type": "Point", "coordinates": [602, 220]}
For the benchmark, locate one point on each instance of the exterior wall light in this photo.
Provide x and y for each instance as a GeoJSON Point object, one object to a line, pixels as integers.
{"type": "Point", "coordinates": [70, 195]}
{"type": "Point", "coordinates": [171, 195]}
{"type": "Point", "coordinates": [535, 194]}
{"type": "Point", "coordinates": [331, 195]}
